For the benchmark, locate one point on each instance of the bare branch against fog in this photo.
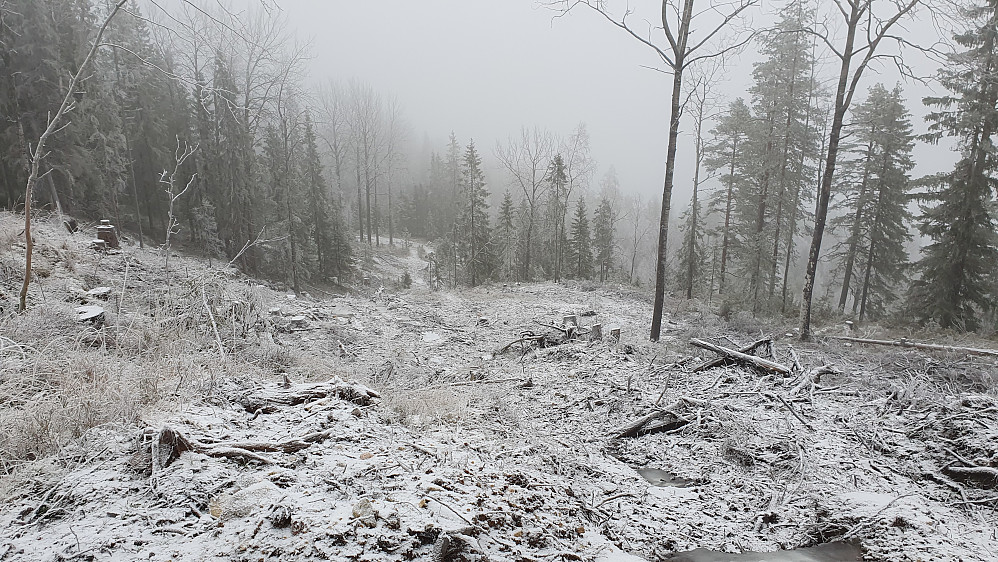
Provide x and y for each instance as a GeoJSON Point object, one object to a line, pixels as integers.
{"type": "Point", "coordinates": [526, 160]}
{"type": "Point", "coordinates": [39, 153]}
{"type": "Point", "coordinates": [678, 50]}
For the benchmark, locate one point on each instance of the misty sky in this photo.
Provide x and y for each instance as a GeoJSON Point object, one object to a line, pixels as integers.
{"type": "Point", "coordinates": [483, 69]}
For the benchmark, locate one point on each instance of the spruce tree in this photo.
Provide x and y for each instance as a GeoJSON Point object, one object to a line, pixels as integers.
{"type": "Point", "coordinates": [875, 206]}
{"type": "Point", "coordinates": [580, 244]}
{"type": "Point", "coordinates": [327, 231]}
{"type": "Point", "coordinates": [958, 267]}
{"type": "Point", "coordinates": [507, 242]}
{"type": "Point", "coordinates": [557, 178]}
{"type": "Point", "coordinates": [727, 153]}
{"type": "Point", "coordinates": [775, 160]}
{"type": "Point", "coordinates": [474, 242]}
{"type": "Point", "coordinates": [604, 236]}
{"type": "Point", "coordinates": [690, 268]}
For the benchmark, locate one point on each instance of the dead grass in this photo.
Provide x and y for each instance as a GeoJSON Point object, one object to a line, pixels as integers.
{"type": "Point", "coordinates": [426, 408]}
{"type": "Point", "coordinates": [166, 341]}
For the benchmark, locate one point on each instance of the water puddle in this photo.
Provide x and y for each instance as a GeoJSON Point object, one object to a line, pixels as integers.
{"type": "Point", "coordinates": [663, 478]}
{"type": "Point", "coordinates": [827, 552]}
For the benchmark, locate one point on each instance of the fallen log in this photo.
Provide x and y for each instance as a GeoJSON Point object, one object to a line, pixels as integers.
{"type": "Point", "coordinates": [759, 362]}
{"type": "Point", "coordinates": [923, 346]}
{"type": "Point", "coordinates": [982, 476]}
{"type": "Point", "coordinates": [538, 339]}
{"type": "Point", "coordinates": [271, 399]}
{"type": "Point", "coordinates": [722, 361]}
{"type": "Point", "coordinates": [665, 419]}
{"type": "Point", "coordinates": [167, 444]}
{"type": "Point", "coordinates": [812, 379]}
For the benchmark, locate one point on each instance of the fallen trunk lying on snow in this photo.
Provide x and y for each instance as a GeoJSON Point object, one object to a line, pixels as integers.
{"type": "Point", "coordinates": [752, 360]}
{"type": "Point", "coordinates": [665, 419]}
{"type": "Point", "coordinates": [270, 399]}
{"type": "Point", "coordinates": [923, 346]}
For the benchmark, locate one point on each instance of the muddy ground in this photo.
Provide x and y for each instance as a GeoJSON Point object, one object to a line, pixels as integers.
{"type": "Point", "coordinates": [469, 454]}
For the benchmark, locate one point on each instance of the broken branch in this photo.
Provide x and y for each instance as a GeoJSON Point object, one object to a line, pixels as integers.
{"type": "Point", "coordinates": [722, 361]}
{"type": "Point", "coordinates": [759, 362]}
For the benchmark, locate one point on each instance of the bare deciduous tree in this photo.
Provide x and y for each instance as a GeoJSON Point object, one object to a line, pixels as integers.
{"type": "Point", "coordinates": [38, 154]}
{"type": "Point", "coordinates": [865, 31]}
{"type": "Point", "coordinates": [170, 181]}
{"type": "Point", "coordinates": [527, 160]}
{"type": "Point", "coordinates": [678, 48]}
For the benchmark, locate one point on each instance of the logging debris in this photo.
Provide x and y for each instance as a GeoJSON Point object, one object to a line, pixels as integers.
{"type": "Point", "coordinates": [269, 399]}
{"type": "Point", "coordinates": [570, 330]}
{"type": "Point", "coordinates": [903, 342]}
{"type": "Point", "coordinates": [759, 362]}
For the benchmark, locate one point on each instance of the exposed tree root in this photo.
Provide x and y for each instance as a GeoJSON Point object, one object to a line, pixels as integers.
{"type": "Point", "coordinates": [271, 399]}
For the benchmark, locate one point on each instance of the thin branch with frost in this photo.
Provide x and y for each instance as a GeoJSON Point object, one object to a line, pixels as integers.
{"type": "Point", "coordinates": [258, 241]}
{"type": "Point", "coordinates": [68, 104]}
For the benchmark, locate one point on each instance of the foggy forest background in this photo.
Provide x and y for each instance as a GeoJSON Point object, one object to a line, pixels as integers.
{"type": "Point", "coordinates": [209, 130]}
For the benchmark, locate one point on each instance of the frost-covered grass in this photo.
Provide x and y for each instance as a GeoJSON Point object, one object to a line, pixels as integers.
{"type": "Point", "coordinates": [157, 349]}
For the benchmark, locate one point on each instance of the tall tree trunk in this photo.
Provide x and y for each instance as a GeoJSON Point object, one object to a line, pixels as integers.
{"type": "Point", "coordinates": [857, 225]}
{"type": "Point", "coordinates": [877, 217]}
{"type": "Point", "coordinates": [529, 241]}
{"type": "Point", "coordinates": [783, 175]}
{"type": "Point", "coordinates": [55, 193]}
{"type": "Point", "coordinates": [797, 192]}
{"type": "Point", "coordinates": [128, 146]}
{"type": "Point", "coordinates": [825, 191]}
{"type": "Point", "coordinates": [294, 244]}
{"type": "Point", "coordinates": [670, 171]}
{"type": "Point", "coordinates": [367, 193]}
{"type": "Point", "coordinates": [726, 238]}
{"type": "Point", "coordinates": [691, 265]}
{"type": "Point", "coordinates": [755, 279]}
{"type": "Point", "coordinates": [360, 202]}
{"type": "Point", "coordinates": [391, 229]}
{"type": "Point", "coordinates": [471, 260]}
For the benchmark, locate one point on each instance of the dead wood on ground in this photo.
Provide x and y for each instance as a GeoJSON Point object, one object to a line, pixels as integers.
{"type": "Point", "coordinates": [764, 364]}
{"type": "Point", "coordinates": [980, 476]}
{"type": "Point", "coordinates": [271, 399]}
{"type": "Point", "coordinates": [664, 419]}
{"type": "Point", "coordinates": [923, 346]}
{"type": "Point", "coordinates": [725, 360]}
{"type": "Point", "coordinates": [167, 444]}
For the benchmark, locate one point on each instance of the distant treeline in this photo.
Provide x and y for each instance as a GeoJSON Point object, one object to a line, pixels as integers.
{"type": "Point", "coordinates": [292, 182]}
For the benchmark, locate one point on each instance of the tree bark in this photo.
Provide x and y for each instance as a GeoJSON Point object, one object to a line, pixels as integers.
{"type": "Point", "coordinates": [670, 170]}
{"type": "Point", "coordinates": [856, 226]}
{"type": "Point", "coordinates": [825, 192]}
{"type": "Point", "coordinates": [726, 238]}
{"type": "Point", "coordinates": [859, 11]}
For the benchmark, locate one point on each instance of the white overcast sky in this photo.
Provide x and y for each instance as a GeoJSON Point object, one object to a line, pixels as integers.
{"type": "Point", "coordinates": [485, 68]}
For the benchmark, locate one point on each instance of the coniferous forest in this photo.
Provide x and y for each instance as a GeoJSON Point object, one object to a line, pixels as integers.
{"type": "Point", "coordinates": [295, 177]}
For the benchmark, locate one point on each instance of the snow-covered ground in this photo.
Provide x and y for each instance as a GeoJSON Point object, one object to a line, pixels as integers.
{"type": "Point", "coordinates": [475, 455]}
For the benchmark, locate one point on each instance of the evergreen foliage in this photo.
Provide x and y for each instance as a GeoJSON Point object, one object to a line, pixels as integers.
{"type": "Point", "coordinates": [958, 268]}
{"type": "Point", "coordinates": [604, 237]}
{"type": "Point", "coordinates": [580, 244]}
{"type": "Point", "coordinates": [874, 204]}
{"type": "Point", "coordinates": [474, 243]}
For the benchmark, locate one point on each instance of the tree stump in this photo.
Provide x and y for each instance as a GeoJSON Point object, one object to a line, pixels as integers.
{"type": "Point", "coordinates": [596, 332]}
{"type": "Point", "coordinates": [108, 234]}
